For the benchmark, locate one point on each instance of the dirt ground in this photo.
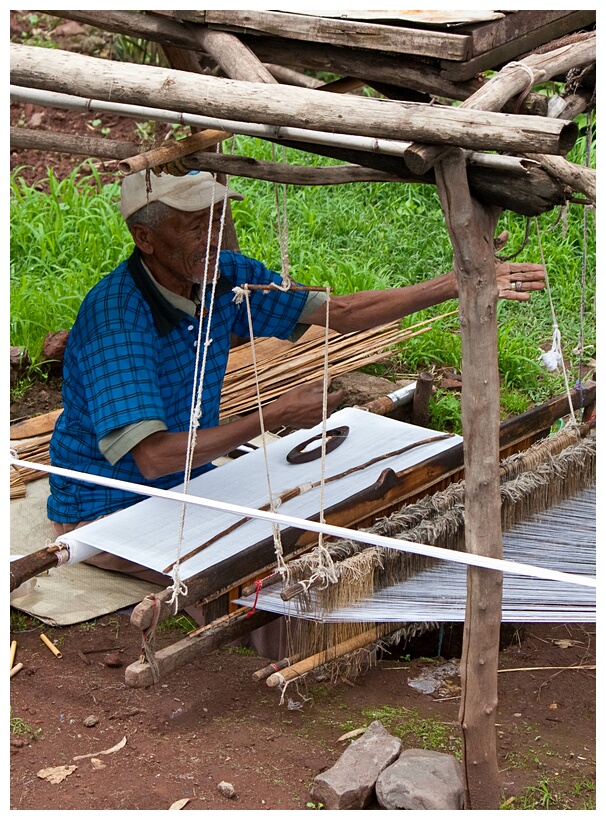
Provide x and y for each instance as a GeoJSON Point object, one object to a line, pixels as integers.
{"type": "Point", "coordinates": [142, 749]}
{"type": "Point", "coordinates": [210, 722]}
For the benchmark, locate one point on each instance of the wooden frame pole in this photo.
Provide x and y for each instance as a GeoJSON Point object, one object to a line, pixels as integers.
{"type": "Point", "coordinates": [471, 227]}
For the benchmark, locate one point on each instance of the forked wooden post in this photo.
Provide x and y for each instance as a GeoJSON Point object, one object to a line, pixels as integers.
{"type": "Point", "coordinates": [471, 227]}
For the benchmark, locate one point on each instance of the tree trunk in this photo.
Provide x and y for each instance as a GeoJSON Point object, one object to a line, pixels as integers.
{"type": "Point", "coordinates": [471, 227]}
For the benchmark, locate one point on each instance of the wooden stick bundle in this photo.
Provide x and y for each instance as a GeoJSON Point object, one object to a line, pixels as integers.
{"type": "Point", "coordinates": [282, 365]}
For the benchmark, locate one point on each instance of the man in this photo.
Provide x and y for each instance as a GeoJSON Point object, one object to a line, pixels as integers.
{"type": "Point", "coordinates": [130, 359]}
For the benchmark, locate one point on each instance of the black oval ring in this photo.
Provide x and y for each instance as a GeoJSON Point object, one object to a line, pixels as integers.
{"type": "Point", "coordinates": [334, 439]}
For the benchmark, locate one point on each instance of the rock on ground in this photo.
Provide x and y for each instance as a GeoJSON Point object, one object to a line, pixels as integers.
{"type": "Point", "coordinates": [421, 779]}
{"type": "Point", "coordinates": [349, 784]}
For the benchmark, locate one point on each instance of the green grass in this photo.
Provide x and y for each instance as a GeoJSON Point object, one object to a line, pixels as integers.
{"type": "Point", "coordinates": [181, 622]}
{"type": "Point", "coordinates": [415, 729]}
{"type": "Point", "coordinates": [21, 728]}
{"type": "Point", "coordinates": [351, 237]}
{"type": "Point", "coordinates": [552, 793]}
{"type": "Point", "coordinates": [20, 622]}
{"type": "Point", "coordinates": [62, 242]}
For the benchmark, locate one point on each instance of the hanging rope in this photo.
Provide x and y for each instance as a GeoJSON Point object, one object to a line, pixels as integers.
{"type": "Point", "coordinates": [553, 358]}
{"type": "Point", "coordinates": [588, 145]}
{"type": "Point", "coordinates": [244, 293]}
{"type": "Point", "coordinates": [282, 222]}
{"type": "Point", "coordinates": [202, 347]}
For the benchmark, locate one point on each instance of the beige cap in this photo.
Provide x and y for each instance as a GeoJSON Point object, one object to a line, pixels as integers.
{"type": "Point", "coordinates": [192, 192]}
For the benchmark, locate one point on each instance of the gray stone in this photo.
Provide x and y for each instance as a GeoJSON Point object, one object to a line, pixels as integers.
{"type": "Point", "coordinates": [227, 790]}
{"type": "Point", "coordinates": [349, 784]}
{"type": "Point", "coordinates": [422, 779]}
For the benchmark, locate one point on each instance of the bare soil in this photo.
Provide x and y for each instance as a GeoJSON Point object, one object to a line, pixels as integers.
{"type": "Point", "coordinates": [209, 722]}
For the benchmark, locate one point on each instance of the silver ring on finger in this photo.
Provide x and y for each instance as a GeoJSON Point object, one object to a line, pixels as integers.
{"type": "Point", "coordinates": [518, 286]}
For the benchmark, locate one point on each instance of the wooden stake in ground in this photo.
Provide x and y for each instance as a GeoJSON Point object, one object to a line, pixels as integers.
{"type": "Point", "coordinates": [472, 227]}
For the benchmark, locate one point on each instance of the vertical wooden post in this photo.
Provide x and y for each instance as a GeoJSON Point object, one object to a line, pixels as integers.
{"type": "Point", "coordinates": [471, 227]}
{"type": "Point", "coordinates": [420, 400]}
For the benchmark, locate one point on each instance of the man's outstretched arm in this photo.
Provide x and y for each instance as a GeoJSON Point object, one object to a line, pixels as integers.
{"type": "Point", "coordinates": [371, 308]}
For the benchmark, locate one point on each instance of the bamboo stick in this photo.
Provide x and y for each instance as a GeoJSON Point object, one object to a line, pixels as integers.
{"type": "Point", "coordinates": [263, 674]}
{"type": "Point", "coordinates": [327, 655]}
{"type": "Point", "coordinates": [16, 669]}
{"type": "Point", "coordinates": [50, 645]}
{"type": "Point", "coordinates": [13, 652]}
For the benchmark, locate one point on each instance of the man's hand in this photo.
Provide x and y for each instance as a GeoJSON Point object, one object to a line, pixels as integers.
{"type": "Point", "coordinates": [516, 280]}
{"type": "Point", "coordinates": [301, 407]}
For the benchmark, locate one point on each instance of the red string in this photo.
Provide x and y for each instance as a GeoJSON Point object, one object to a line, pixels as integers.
{"type": "Point", "coordinates": [258, 585]}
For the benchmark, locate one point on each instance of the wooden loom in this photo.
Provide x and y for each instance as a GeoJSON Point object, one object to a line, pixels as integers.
{"type": "Point", "coordinates": [432, 56]}
{"type": "Point", "coordinates": [222, 583]}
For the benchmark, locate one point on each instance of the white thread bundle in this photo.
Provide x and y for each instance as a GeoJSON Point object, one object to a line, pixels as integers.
{"type": "Point", "coordinates": [563, 538]}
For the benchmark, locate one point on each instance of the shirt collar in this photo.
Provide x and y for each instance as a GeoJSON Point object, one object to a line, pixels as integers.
{"type": "Point", "coordinates": [167, 308]}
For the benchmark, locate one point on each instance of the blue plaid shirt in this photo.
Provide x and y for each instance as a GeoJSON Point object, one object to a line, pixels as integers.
{"type": "Point", "coordinates": [130, 357]}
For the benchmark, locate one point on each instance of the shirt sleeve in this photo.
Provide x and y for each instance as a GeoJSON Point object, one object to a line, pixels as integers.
{"type": "Point", "coordinates": [119, 442]}
{"type": "Point", "coordinates": [315, 300]}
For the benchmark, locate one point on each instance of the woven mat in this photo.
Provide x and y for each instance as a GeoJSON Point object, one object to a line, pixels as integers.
{"type": "Point", "coordinates": [69, 594]}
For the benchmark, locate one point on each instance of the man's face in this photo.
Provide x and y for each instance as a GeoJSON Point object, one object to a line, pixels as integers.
{"type": "Point", "coordinates": [179, 247]}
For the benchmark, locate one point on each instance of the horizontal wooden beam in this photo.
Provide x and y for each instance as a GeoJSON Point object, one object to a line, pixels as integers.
{"type": "Point", "coordinates": [286, 105]}
{"type": "Point", "coordinates": [166, 661]}
{"type": "Point", "coordinates": [421, 42]}
{"type": "Point", "coordinates": [502, 54]}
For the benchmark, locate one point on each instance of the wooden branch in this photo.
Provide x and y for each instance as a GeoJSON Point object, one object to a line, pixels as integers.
{"type": "Point", "coordinates": [28, 566]}
{"type": "Point", "coordinates": [70, 143]}
{"type": "Point", "coordinates": [511, 80]}
{"type": "Point", "coordinates": [286, 105]}
{"type": "Point", "coordinates": [577, 177]}
{"type": "Point", "coordinates": [237, 60]}
{"type": "Point", "coordinates": [289, 76]}
{"type": "Point", "coordinates": [571, 105]}
{"type": "Point", "coordinates": [530, 194]}
{"type": "Point", "coordinates": [171, 150]}
{"type": "Point", "coordinates": [201, 642]}
{"type": "Point", "coordinates": [146, 26]}
{"type": "Point", "coordinates": [289, 174]}
{"type": "Point", "coordinates": [471, 228]}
